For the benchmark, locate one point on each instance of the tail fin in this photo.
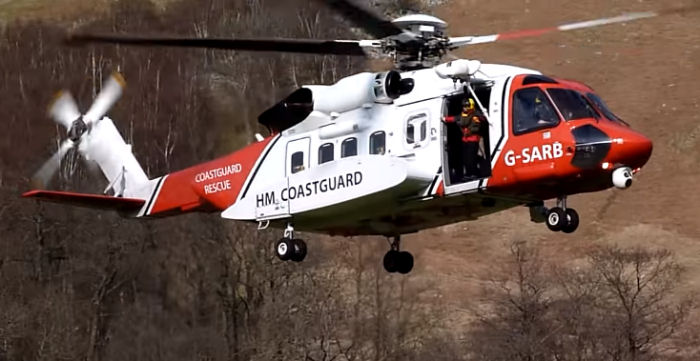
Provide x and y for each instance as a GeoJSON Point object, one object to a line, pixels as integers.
{"type": "Point", "coordinates": [107, 148]}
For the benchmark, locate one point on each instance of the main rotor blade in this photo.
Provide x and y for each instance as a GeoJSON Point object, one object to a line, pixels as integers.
{"type": "Point", "coordinates": [63, 110]}
{"type": "Point", "coordinates": [371, 22]}
{"type": "Point", "coordinates": [110, 93]}
{"type": "Point", "coordinates": [473, 40]}
{"type": "Point", "coordinates": [307, 46]}
{"type": "Point", "coordinates": [43, 176]}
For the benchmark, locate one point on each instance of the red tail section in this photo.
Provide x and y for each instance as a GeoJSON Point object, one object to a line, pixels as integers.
{"type": "Point", "coordinates": [209, 186]}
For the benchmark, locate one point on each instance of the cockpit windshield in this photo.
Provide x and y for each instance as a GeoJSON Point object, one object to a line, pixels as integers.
{"type": "Point", "coordinates": [600, 104]}
{"type": "Point", "coordinates": [572, 105]}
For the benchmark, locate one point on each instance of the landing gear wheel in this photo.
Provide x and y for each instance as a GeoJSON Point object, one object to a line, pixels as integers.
{"type": "Point", "coordinates": [396, 260]}
{"type": "Point", "coordinates": [284, 249]}
{"type": "Point", "coordinates": [401, 262]}
{"type": "Point", "coordinates": [571, 221]}
{"type": "Point", "coordinates": [391, 261]}
{"type": "Point", "coordinates": [298, 250]}
{"type": "Point", "coordinates": [405, 262]}
{"type": "Point", "coordinates": [556, 219]}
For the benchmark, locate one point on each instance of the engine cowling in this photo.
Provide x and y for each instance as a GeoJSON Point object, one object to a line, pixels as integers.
{"type": "Point", "coordinates": [357, 90]}
{"type": "Point", "coordinates": [387, 87]}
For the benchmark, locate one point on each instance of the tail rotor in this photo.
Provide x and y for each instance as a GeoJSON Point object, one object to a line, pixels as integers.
{"type": "Point", "coordinates": [64, 111]}
{"type": "Point", "coordinates": [43, 176]}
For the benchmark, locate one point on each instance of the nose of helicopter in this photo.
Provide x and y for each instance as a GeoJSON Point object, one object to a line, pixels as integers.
{"type": "Point", "coordinates": [633, 149]}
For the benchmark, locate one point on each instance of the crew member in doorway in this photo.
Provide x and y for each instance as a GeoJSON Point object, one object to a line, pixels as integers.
{"type": "Point", "coordinates": [471, 130]}
{"type": "Point", "coordinates": [470, 124]}
{"type": "Point", "coordinates": [454, 143]}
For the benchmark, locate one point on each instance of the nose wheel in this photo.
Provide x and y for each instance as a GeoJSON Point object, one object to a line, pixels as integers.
{"type": "Point", "coordinates": [290, 248]}
{"type": "Point", "coordinates": [396, 260]}
{"type": "Point", "coordinates": [561, 218]}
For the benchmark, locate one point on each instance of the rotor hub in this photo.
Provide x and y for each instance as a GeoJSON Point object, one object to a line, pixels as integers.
{"type": "Point", "coordinates": [422, 44]}
{"type": "Point", "coordinates": [77, 129]}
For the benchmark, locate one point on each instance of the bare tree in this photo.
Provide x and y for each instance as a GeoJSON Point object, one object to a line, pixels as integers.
{"type": "Point", "coordinates": [637, 295]}
{"type": "Point", "coordinates": [618, 305]}
{"type": "Point", "coordinates": [515, 325]}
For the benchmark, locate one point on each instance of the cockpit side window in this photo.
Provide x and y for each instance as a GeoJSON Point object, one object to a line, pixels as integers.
{"type": "Point", "coordinates": [600, 104]}
{"type": "Point", "coordinates": [572, 105]}
{"type": "Point", "coordinates": [532, 110]}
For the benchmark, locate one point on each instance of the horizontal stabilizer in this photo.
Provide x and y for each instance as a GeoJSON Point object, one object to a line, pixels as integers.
{"type": "Point", "coordinates": [88, 200]}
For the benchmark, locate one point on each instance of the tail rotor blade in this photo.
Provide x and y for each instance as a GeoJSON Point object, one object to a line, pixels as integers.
{"type": "Point", "coordinates": [110, 93]}
{"type": "Point", "coordinates": [63, 109]}
{"type": "Point", "coordinates": [43, 176]}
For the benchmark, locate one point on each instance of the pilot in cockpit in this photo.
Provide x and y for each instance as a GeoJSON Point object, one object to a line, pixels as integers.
{"type": "Point", "coordinates": [544, 114]}
{"type": "Point", "coordinates": [532, 110]}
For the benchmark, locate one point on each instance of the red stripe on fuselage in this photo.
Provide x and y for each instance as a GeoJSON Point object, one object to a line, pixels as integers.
{"type": "Point", "coordinates": [440, 191]}
{"type": "Point", "coordinates": [215, 184]}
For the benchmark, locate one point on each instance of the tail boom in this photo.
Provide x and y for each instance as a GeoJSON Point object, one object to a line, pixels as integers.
{"type": "Point", "coordinates": [211, 186]}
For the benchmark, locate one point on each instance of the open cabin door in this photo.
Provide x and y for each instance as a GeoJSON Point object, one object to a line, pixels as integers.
{"type": "Point", "coordinates": [466, 134]}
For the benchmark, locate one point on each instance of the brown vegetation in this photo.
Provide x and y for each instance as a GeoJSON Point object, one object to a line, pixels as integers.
{"type": "Point", "coordinates": [618, 304]}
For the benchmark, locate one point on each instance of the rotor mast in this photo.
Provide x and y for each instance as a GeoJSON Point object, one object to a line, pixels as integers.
{"type": "Point", "coordinates": [422, 44]}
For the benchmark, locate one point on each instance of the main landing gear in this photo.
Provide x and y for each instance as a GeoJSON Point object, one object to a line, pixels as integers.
{"type": "Point", "coordinates": [396, 260]}
{"type": "Point", "coordinates": [561, 218]}
{"type": "Point", "coordinates": [290, 248]}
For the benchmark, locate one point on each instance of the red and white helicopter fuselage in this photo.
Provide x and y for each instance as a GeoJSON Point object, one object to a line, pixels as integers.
{"type": "Point", "coordinates": [379, 153]}
{"type": "Point", "coordinates": [361, 158]}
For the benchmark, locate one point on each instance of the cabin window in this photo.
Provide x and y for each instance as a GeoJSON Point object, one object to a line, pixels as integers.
{"type": "Point", "coordinates": [325, 153]}
{"type": "Point", "coordinates": [348, 148]}
{"type": "Point", "coordinates": [377, 143]}
{"type": "Point", "coordinates": [419, 122]}
{"type": "Point", "coordinates": [532, 110]}
{"type": "Point", "coordinates": [297, 162]}
{"type": "Point", "coordinates": [571, 104]}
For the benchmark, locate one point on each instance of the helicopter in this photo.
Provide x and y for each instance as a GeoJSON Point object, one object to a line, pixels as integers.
{"type": "Point", "coordinates": [375, 152]}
